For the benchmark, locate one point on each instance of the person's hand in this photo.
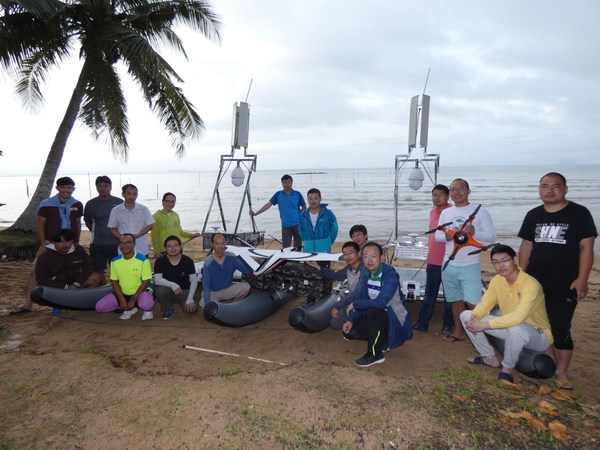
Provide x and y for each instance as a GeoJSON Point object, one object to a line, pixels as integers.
{"type": "Point", "coordinates": [581, 287]}
{"type": "Point", "coordinates": [347, 327]}
{"type": "Point", "coordinates": [73, 286]}
{"type": "Point", "coordinates": [448, 236]}
{"type": "Point", "coordinates": [334, 313]}
{"type": "Point", "coordinates": [475, 325]}
{"type": "Point", "coordinates": [177, 290]}
{"type": "Point", "coordinates": [251, 213]}
{"type": "Point", "coordinates": [131, 303]}
{"type": "Point", "coordinates": [349, 309]}
{"type": "Point", "coordinates": [195, 235]}
{"type": "Point", "coordinates": [190, 307]}
{"type": "Point", "coordinates": [469, 228]}
{"type": "Point", "coordinates": [313, 264]}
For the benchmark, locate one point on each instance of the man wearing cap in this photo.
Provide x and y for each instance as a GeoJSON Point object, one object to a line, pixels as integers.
{"type": "Point", "coordinates": [104, 246]}
{"type": "Point", "coordinates": [56, 213]}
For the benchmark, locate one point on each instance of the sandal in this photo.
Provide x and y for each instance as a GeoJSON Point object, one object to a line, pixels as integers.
{"type": "Point", "coordinates": [451, 338]}
{"type": "Point", "coordinates": [564, 384]}
{"type": "Point", "coordinates": [506, 378]}
{"type": "Point", "coordinates": [479, 361]}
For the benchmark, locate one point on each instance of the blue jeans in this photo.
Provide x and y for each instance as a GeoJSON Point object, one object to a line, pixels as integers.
{"type": "Point", "coordinates": [432, 287]}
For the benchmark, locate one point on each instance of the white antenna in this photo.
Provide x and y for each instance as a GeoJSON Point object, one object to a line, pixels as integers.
{"type": "Point", "coordinates": [249, 87]}
{"type": "Point", "coordinates": [426, 80]}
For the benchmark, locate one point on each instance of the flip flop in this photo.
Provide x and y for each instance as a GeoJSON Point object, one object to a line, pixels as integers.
{"type": "Point", "coordinates": [451, 338]}
{"type": "Point", "coordinates": [566, 385]}
{"type": "Point", "coordinates": [479, 361]}
{"type": "Point", "coordinates": [506, 378]}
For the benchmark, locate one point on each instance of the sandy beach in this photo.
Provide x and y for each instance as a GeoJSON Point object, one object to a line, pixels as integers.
{"type": "Point", "coordinates": [155, 383]}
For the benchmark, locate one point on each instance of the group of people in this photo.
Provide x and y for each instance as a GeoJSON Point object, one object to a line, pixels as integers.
{"type": "Point", "coordinates": [529, 303]}
{"type": "Point", "coordinates": [120, 230]}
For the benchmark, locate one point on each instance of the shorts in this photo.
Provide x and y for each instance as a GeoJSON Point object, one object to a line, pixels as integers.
{"type": "Point", "coordinates": [462, 283]}
{"type": "Point", "coordinates": [102, 255]}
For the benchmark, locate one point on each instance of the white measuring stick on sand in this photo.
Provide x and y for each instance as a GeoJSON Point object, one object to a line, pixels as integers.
{"type": "Point", "coordinates": [189, 347]}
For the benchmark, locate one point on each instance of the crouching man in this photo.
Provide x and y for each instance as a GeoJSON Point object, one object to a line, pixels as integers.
{"type": "Point", "coordinates": [379, 315]}
{"type": "Point", "coordinates": [523, 322]}
{"type": "Point", "coordinates": [64, 264]}
{"type": "Point", "coordinates": [217, 275]}
{"type": "Point", "coordinates": [130, 276]}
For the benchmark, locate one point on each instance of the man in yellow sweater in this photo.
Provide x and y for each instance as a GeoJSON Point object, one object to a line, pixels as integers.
{"type": "Point", "coordinates": [522, 323]}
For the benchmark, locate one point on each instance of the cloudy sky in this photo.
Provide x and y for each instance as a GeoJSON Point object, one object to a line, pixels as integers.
{"type": "Point", "coordinates": [512, 82]}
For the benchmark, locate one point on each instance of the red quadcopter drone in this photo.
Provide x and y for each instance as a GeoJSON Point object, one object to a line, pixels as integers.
{"type": "Point", "coordinates": [461, 237]}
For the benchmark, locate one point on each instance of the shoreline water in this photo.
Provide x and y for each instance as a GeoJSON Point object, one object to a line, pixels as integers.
{"type": "Point", "coordinates": [356, 196]}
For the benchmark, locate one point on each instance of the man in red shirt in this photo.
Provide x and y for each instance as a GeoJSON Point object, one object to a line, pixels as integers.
{"type": "Point", "coordinates": [435, 255]}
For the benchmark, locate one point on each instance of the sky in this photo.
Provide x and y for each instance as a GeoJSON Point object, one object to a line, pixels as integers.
{"type": "Point", "coordinates": [511, 82]}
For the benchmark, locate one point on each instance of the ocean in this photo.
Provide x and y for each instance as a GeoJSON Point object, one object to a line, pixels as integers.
{"type": "Point", "coordinates": [356, 196]}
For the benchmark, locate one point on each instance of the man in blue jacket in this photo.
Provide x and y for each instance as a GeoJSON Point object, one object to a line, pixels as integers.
{"type": "Point", "coordinates": [380, 315]}
{"type": "Point", "coordinates": [318, 226]}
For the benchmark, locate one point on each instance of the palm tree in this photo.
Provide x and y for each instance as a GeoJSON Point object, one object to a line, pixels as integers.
{"type": "Point", "coordinates": [36, 35]}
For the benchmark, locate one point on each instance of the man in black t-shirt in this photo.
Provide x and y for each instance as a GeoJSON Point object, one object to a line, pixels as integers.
{"type": "Point", "coordinates": [557, 248]}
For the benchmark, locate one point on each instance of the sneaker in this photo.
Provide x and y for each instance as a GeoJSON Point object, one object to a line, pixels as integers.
{"type": "Point", "coordinates": [147, 315]}
{"type": "Point", "coordinates": [127, 314]}
{"type": "Point", "coordinates": [369, 360]}
{"type": "Point", "coordinates": [418, 327]}
{"type": "Point", "coordinates": [167, 314]}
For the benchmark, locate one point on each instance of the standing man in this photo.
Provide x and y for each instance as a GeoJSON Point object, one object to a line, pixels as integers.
{"type": "Point", "coordinates": [217, 274]}
{"type": "Point", "coordinates": [130, 276]}
{"type": "Point", "coordinates": [318, 225]}
{"type": "Point", "coordinates": [104, 246]}
{"type": "Point", "coordinates": [435, 255]}
{"type": "Point", "coordinates": [462, 276]}
{"type": "Point", "coordinates": [557, 248]}
{"type": "Point", "coordinates": [291, 204]}
{"type": "Point", "coordinates": [133, 218]}
{"type": "Point", "coordinates": [522, 323]}
{"type": "Point", "coordinates": [56, 213]}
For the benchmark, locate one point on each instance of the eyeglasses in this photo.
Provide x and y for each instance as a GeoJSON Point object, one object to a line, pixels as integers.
{"type": "Point", "coordinates": [501, 262]}
{"type": "Point", "coordinates": [458, 189]}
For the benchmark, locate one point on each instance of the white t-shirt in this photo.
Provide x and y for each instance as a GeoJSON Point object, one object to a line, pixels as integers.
{"type": "Point", "coordinates": [485, 232]}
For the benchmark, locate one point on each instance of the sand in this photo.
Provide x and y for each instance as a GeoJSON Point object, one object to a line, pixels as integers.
{"type": "Point", "coordinates": [61, 354]}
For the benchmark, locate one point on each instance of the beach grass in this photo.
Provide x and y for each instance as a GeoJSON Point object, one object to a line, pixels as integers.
{"type": "Point", "coordinates": [18, 244]}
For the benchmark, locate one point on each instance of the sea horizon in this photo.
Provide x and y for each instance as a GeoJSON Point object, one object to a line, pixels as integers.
{"type": "Point", "coordinates": [355, 195]}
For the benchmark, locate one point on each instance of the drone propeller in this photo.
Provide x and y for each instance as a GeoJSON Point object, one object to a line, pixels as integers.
{"type": "Point", "coordinates": [483, 249]}
{"type": "Point", "coordinates": [439, 227]}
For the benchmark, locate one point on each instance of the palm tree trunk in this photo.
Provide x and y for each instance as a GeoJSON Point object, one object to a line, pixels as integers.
{"type": "Point", "coordinates": [27, 219]}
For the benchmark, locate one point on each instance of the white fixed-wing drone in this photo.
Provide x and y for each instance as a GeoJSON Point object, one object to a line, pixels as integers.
{"type": "Point", "coordinates": [273, 258]}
